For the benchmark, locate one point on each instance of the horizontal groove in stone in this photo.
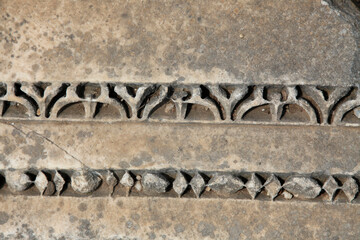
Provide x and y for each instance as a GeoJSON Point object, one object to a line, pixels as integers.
{"type": "Point", "coordinates": [234, 104]}
{"type": "Point", "coordinates": [171, 183]}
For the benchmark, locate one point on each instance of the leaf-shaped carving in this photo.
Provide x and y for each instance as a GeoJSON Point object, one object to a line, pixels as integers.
{"type": "Point", "coordinates": [228, 100]}
{"type": "Point", "coordinates": [136, 98]}
{"type": "Point", "coordinates": [347, 106]}
{"type": "Point", "coordinates": [41, 94]}
{"type": "Point", "coordinates": [14, 94]}
{"type": "Point", "coordinates": [185, 95]}
{"type": "Point", "coordinates": [276, 102]}
{"type": "Point", "coordinates": [324, 100]}
{"type": "Point", "coordinates": [89, 101]}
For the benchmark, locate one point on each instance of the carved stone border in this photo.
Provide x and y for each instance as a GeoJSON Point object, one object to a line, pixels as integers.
{"type": "Point", "coordinates": [181, 183]}
{"type": "Point", "coordinates": [234, 104]}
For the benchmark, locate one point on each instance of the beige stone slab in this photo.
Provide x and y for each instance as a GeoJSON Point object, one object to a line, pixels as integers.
{"type": "Point", "coordinates": [244, 41]}
{"type": "Point", "coordinates": [159, 218]}
{"type": "Point", "coordinates": [207, 147]}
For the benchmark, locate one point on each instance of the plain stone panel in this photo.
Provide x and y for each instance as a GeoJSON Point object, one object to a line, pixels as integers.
{"type": "Point", "coordinates": [244, 41]}
{"type": "Point", "coordinates": [207, 147]}
{"type": "Point", "coordinates": [159, 218]}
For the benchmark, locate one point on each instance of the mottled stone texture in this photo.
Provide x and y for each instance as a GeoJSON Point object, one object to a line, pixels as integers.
{"type": "Point", "coordinates": [330, 150]}
{"type": "Point", "coordinates": [245, 41]}
{"type": "Point", "coordinates": [141, 218]}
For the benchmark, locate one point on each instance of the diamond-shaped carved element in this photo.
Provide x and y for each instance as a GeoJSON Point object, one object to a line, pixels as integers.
{"type": "Point", "coordinates": [111, 181]}
{"type": "Point", "coordinates": [350, 188]}
{"type": "Point", "coordinates": [85, 181]}
{"type": "Point", "coordinates": [127, 180]}
{"type": "Point", "coordinates": [154, 183]}
{"type": "Point", "coordinates": [272, 186]}
{"type": "Point", "coordinates": [17, 180]}
{"type": "Point", "coordinates": [303, 187]}
{"type": "Point", "coordinates": [41, 182]}
{"type": "Point", "coordinates": [59, 182]}
{"type": "Point", "coordinates": [225, 184]}
{"type": "Point", "coordinates": [197, 184]}
{"type": "Point", "coordinates": [180, 184]}
{"type": "Point", "coordinates": [254, 186]}
{"type": "Point", "coordinates": [330, 187]}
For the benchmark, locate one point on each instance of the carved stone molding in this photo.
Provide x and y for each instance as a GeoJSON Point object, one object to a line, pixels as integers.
{"type": "Point", "coordinates": [181, 183]}
{"type": "Point", "coordinates": [236, 104]}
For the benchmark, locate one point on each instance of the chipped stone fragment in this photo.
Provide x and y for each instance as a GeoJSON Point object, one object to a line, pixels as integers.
{"type": "Point", "coordinates": [154, 183]}
{"type": "Point", "coordinates": [330, 187]}
{"type": "Point", "coordinates": [254, 186]}
{"type": "Point", "coordinates": [17, 180]}
{"type": "Point", "coordinates": [180, 184]}
{"type": "Point", "coordinates": [197, 184]}
{"type": "Point", "coordinates": [111, 181]}
{"type": "Point", "coordinates": [85, 181]}
{"type": "Point", "coordinates": [287, 195]}
{"type": "Point", "coordinates": [59, 182]}
{"type": "Point", "coordinates": [225, 184]}
{"type": "Point", "coordinates": [272, 186]}
{"type": "Point", "coordinates": [41, 182]}
{"type": "Point", "coordinates": [350, 188]}
{"type": "Point", "coordinates": [303, 187]}
{"type": "Point", "coordinates": [138, 187]}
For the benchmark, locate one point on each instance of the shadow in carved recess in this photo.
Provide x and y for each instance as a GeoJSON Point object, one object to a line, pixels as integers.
{"type": "Point", "coordinates": [72, 110]}
{"type": "Point", "coordinates": [13, 109]}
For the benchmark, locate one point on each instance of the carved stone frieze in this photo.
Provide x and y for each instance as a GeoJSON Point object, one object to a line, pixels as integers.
{"type": "Point", "coordinates": [236, 104]}
{"type": "Point", "coordinates": [181, 183]}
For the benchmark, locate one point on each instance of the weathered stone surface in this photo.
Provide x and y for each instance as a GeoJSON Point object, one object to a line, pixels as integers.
{"type": "Point", "coordinates": [139, 218]}
{"type": "Point", "coordinates": [41, 182]}
{"type": "Point", "coordinates": [191, 146]}
{"type": "Point", "coordinates": [154, 183]}
{"type": "Point", "coordinates": [59, 182]}
{"type": "Point", "coordinates": [254, 185]}
{"type": "Point", "coordinates": [127, 180]}
{"type": "Point", "coordinates": [225, 184]}
{"type": "Point", "coordinates": [287, 195]}
{"type": "Point", "coordinates": [84, 181]}
{"type": "Point", "coordinates": [350, 188]}
{"type": "Point", "coordinates": [204, 60]}
{"type": "Point", "coordinates": [272, 186]}
{"type": "Point", "coordinates": [111, 180]}
{"type": "Point", "coordinates": [180, 183]}
{"type": "Point", "coordinates": [331, 186]}
{"type": "Point", "coordinates": [197, 184]}
{"type": "Point", "coordinates": [303, 187]}
{"type": "Point", "coordinates": [17, 180]}
{"type": "Point", "coordinates": [277, 41]}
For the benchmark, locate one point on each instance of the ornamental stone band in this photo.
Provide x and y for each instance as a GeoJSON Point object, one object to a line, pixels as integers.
{"type": "Point", "coordinates": [171, 119]}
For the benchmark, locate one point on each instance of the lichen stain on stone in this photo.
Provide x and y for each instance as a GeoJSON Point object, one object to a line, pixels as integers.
{"type": "Point", "coordinates": [82, 207]}
{"type": "Point", "coordinates": [4, 217]}
{"type": "Point", "coordinates": [141, 158]}
{"type": "Point", "coordinates": [206, 229]}
{"type": "Point", "coordinates": [84, 134]}
{"type": "Point", "coordinates": [85, 230]}
{"type": "Point", "coordinates": [37, 150]}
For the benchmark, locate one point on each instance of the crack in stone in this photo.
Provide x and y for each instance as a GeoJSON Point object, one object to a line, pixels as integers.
{"type": "Point", "coordinates": [46, 139]}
